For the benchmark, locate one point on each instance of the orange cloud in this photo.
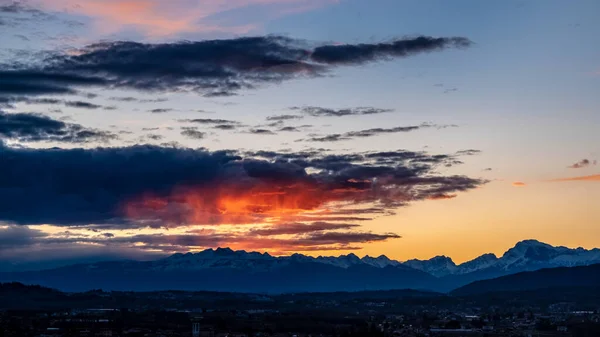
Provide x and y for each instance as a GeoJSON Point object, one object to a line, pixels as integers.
{"type": "Point", "coordinates": [224, 203]}
{"type": "Point", "coordinates": [594, 177]}
{"type": "Point", "coordinates": [159, 18]}
{"type": "Point", "coordinates": [519, 184]}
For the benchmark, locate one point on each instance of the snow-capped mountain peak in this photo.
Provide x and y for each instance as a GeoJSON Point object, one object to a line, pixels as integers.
{"type": "Point", "coordinates": [525, 255]}
{"type": "Point", "coordinates": [342, 261]}
{"type": "Point", "coordinates": [381, 261]}
{"type": "Point", "coordinates": [482, 262]}
{"type": "Point", "coordinates": [438, 266]}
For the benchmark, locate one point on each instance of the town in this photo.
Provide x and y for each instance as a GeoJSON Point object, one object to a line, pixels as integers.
{"type": "Point", "coordinates": [371, 313]}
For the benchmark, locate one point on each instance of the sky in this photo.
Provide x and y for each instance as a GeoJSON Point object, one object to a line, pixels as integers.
{"type": "Point", "coordinates": [141, 128]}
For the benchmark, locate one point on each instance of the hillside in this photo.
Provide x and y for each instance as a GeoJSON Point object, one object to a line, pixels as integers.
{"type": "Point", "coordinates": [585, 276]}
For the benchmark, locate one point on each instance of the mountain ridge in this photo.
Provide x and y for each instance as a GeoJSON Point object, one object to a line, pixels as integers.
{"type": "Point", "coordinates": [580, 276]}
{"type": "Point", "coordinates": [527, 254]}
{"type": "Point", "coordinates": [225, 269]}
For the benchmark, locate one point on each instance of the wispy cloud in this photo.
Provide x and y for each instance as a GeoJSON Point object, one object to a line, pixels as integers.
{"type": "Point", "coordinates": [583, 163]}
{"type": "Point", "coordinates": [192, 132]}
{"type": "Point", "coordinates": [594, 177]}
{"type": "Point", "coordinates": [519, 184]}
{"type": "Point", "coordinates": [327, 112]}
{"type": "Point", "coordinates": [32, 127]}
{"type": "Point", "coordinates": [376, 131]}
{"type": "Point", "coordinates": [159, 19]}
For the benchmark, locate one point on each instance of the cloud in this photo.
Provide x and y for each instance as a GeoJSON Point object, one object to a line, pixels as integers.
{"type": "Point", "coordinates": [208, 121]}
{"type": "Point", "coordinates": [32, 82]}
{"type": "Point", "coordinates": [594, 177]}
{"type": "Point", "coordinates": [82, 105]}
{"type": "Point", "coordinates": [284, 117]}
{"type": "Point", "coordinates": [325, 112]}
{"type": "Point", "coordinates": [442, 196]}
{"type": "Point", "coordinates": [519, 184]}
{"type": "Point", "coordinates": [153, 136]}
{"type": "Point", "coordinates": [138, 186]}
{"type": "Point", "coordinates": [328, 138]}
{"type": "Point", "coordinates": [261, 132]}
{"type": "Point", "coordinates": [352, 54]}
{"type": "Point", "coordinates": [372, 132]}
{"type": "Point", "coordinates": [192, 132]}
{"type": "Point", "coordinates": [289, 129]}
{"type": "Point", "coordinates": [16, 13]}
{"type": "Point", "coordinates": [583, 163]}
{"type": "Point", "coordinates": [124, 99]}
{"type": "Point", "coordinates": [31, 127]}
{"type": "Point", "coordinates": [211, 67]}
{"type": "Point", "coordinates": [246, 240]}
{"type": "Point", "coordinates": [160, 110]}
{"type": "Point", "coordinates": [157, 19]}
{"type": "Point", "coordinates": [469, 152]}
{"type": "Point", "coordinates": [15, 236]}
{"type": "Point", "coordinates": [54, 101]}
{"type": "Point", "coordinates": [225, 127]}
{"type": "Point", "coordinates": [377, 131]}
{"type": "Point", "coordinates": [301, 228]}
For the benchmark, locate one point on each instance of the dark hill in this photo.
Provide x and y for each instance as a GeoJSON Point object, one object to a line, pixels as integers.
{"type": "Point", "coordinates": [586, 276]}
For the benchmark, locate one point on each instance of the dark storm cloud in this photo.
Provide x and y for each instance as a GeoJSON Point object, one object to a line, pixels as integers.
{"type": "Point", "coordinates": [192, 132]}
{"type": "Point", "coordinates": [16, 236]}
{"type": "Point", "coordinates": [212, 67]}
{"type": "Point", "coordinates": [139, 186]}
{"type": "Point", "coordinates": [78, 186]}
{"type": "Point", "coordinates": [30, 127]}
{"type": "Point", "coordinates": [325, 112]}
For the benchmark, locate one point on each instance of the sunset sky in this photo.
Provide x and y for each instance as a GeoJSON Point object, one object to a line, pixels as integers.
{"type": "Point", "coordinates": [141, 128]}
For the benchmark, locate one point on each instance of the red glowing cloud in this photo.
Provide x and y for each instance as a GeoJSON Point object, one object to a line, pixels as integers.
{"type": "Point", "coordinates": [264, 201]}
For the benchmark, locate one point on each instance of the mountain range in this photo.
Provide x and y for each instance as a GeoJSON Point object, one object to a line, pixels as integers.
{"type": "Point", "coordinates": [223, 269]}
{"type": "Point", "coordinates": [550, 278]}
